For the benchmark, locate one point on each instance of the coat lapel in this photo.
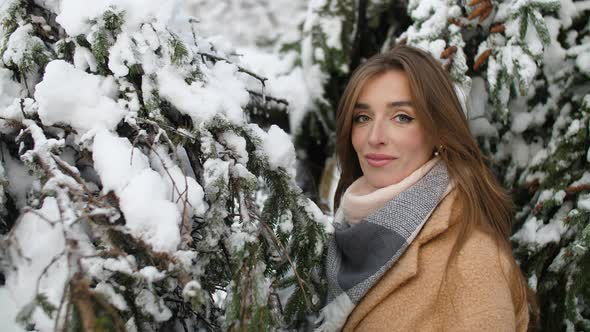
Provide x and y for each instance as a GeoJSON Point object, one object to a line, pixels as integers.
{"type": "Point", "coordinates": [407, 266]}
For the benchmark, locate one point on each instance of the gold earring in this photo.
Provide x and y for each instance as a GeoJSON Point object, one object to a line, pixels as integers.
{"type": "Point", "coordinates": [437, 152]}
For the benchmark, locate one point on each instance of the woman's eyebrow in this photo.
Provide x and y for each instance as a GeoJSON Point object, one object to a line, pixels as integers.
{"type": "Point", "coordinates": [390, 104]}
{"type": "Point", "coordinates": [400, 103]}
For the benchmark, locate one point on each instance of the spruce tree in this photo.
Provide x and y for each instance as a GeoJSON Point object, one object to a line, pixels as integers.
{"type": "Point", "coordinates": [137, 194]}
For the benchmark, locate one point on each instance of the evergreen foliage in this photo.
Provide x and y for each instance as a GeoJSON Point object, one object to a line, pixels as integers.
{"type": "Point", "coordinates": [232, 243]}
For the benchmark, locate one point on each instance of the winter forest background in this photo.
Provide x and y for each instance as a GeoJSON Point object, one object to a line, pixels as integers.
{"type": "Point", "coordinates": [168, 165]}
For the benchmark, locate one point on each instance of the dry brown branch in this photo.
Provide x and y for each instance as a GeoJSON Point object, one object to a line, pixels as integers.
{"type": "Point", "coordinates": [481, 59]}
{"type": "Point", "coordinates": [576, 189]}
{"type": "Point", "coordinates": [497, 28]}
{"type": "Point", "coordinates": [456, 21]}
{"type": "Point", "coordinates": [480, 10]}
{"type": "Point", "coordinates": [448, 52]}
{"type": "Point", "coordinates": [489, 9]}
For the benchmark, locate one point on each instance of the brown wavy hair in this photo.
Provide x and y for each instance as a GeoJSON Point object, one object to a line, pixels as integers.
{"type": "Point", "coordinates": [483, 203]}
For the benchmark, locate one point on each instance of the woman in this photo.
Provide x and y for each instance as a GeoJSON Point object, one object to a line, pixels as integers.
{"type": "Point", "coordinates": [421, 240]}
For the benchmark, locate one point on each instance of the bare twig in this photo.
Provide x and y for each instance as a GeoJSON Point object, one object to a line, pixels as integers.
{"type": "Point", "coordinates": [240, 68]}
{"type": "Point", "coordinates": [46, 268]}
{"type": "Point", "coordinates": [59, 308]}
{"type": "Point", "coordinates": [35, 212]}
{"type": "Point", "coordinates": [178, 132]}
{"type": "Point", "coordinates": [276, 100]}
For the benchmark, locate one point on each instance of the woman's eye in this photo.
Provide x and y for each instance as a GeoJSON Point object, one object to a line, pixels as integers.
{"type": "Point", "coordinates": [360, 118]}
{"type": "Point", "coordinates": [403, 118]}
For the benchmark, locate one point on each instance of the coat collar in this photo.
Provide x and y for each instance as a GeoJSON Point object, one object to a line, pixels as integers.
{"type": "Point", "coordinates": [407, 266]}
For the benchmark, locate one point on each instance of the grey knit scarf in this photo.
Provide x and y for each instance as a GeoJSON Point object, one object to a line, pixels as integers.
{"type": "Point", "coordinates": [359, 254]}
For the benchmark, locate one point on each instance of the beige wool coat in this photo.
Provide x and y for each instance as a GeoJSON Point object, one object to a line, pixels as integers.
{"type": "Point", "coordinates": [475, 296]}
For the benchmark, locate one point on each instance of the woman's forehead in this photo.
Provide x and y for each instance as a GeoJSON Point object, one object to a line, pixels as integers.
{"type": "Point", "coordinates": [391, 81]}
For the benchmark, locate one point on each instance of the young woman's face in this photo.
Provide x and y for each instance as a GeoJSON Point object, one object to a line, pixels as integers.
{"type": "Point", "coordinates": [389, 141]}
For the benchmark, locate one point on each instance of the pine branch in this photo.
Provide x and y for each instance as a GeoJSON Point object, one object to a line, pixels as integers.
{"type": "Point", "coordinates": [282, 249]}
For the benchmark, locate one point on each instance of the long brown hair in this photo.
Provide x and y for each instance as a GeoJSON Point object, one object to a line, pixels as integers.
{"type": "Point", "coordinates": [483, 203]}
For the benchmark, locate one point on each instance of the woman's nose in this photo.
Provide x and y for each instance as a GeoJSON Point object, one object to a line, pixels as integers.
{"type": "Point", "coordinates": [377, 133]}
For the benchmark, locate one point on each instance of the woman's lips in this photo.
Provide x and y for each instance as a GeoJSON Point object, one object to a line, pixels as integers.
{"type": "Point", "coordinates": [378, 160]}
